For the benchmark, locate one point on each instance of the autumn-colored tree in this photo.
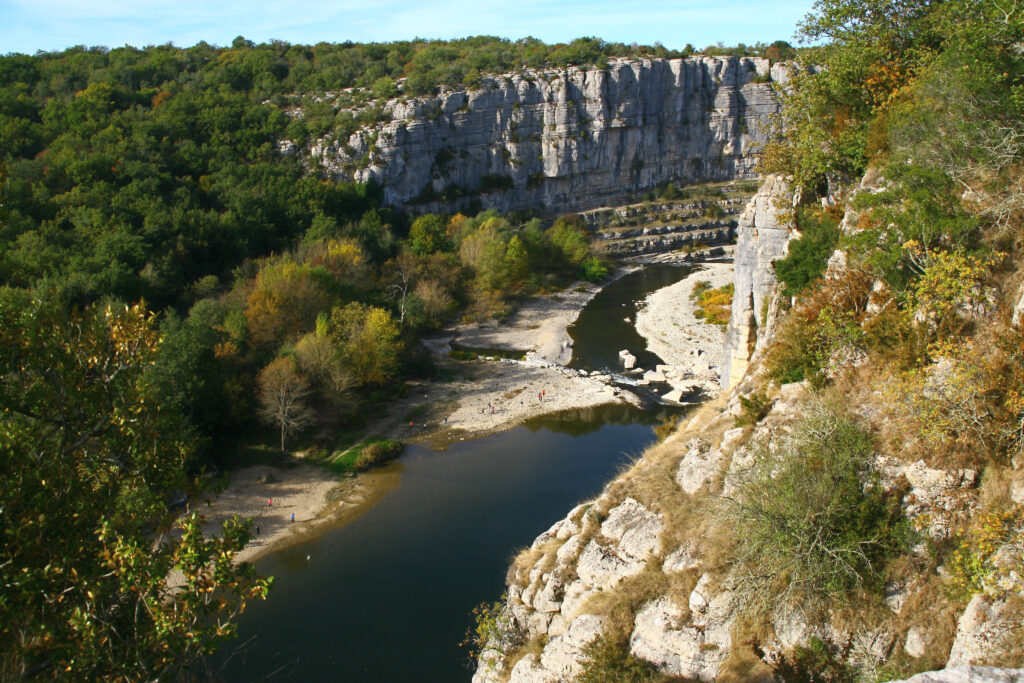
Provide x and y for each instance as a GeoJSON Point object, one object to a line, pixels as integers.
{"type": "Point", "coordinates": [369, 340]}
{"type": "Point", "coordinates": [284, 302]}
{"type": "Point", "coordinates": [435, 300]}
{"type": "Point", "coordinates": [320, 360]}
{"type": "Point", "coordinates": [283, 393]}
{"type": "Point", "coordinates": [89, 461]}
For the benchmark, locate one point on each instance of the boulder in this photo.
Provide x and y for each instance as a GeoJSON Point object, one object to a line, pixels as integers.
{"type": "Point", "coordinates": [601, 567]}
{"type": "Point", "coordinates": [662, 637]}
{"type": "Point", "coordinates": [529, 670]}
{"type": "Point", "coordinates": [981, 631]}
{"type": "Point", "coordinates": [674, 395]}
{"type": "Point", "coordinates": [563, 653]}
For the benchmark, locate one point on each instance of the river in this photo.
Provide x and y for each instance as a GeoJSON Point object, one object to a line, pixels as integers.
{"type": "Point", "coordinates": [389, 596]}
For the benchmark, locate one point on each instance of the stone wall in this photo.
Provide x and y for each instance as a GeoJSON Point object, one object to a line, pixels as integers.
{"type": "Point", "coordinates": [566, 140]}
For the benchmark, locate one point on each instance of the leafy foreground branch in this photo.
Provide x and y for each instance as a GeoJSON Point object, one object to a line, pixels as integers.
{"type": "Point", "coordinates": [102, 578]}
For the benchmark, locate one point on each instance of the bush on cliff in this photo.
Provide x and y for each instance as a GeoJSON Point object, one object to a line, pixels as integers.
{"type": "Point", "coordinates": [811, 522]}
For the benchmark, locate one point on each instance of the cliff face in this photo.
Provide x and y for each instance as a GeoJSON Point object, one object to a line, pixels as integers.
{"type": "Point", "coordinates": [565, 140]}
{"type": "Point", "coordinates": [643, 565]}
{"type": "Point", "coordinates": [762, 236]}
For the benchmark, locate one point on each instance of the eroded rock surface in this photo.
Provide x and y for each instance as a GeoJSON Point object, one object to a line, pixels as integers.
{"type": "Point", "coordinates": [567, 139]}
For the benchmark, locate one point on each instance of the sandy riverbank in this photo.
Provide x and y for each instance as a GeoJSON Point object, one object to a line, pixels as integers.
{"type": "Point", "coordinates": [316, 496]}
{"type": "Point", "coordinates": [667, 323]}
{"type": "Point", "coordinates": [482, 397]}
{"type": "Point", "coordinates": [539, 324]}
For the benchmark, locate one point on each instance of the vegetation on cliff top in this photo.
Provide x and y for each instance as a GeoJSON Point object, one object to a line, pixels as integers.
{"type": "Point", "coordinates": [927, 100]}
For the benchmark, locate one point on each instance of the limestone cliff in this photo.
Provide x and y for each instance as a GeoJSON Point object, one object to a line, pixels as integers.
{"type": "Point", "coordinates": [565, 140]}
{"type": "Point", "coordinates": [643, 563]}
{"type": "Point", "coordinates": [762, 236]}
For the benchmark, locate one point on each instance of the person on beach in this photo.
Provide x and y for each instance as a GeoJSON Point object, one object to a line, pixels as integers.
{"type": "Point", "coordinates": [293, 518]}
{"type": "Point", "coordinates": [257, 529]}
{"type": "Point", "coordinates": [270, 502]}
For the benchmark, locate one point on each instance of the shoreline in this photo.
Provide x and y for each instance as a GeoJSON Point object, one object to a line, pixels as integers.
{"type": "Point", "coordinates": [690, 347]}
{"type": "Point", "coordinates": [485, 397]}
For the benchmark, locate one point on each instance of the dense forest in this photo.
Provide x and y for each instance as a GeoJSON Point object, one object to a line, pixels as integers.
{"type": "Point", "coordinates": [170, 282]}
{"type": "Point", "coordinates": [166, 274]}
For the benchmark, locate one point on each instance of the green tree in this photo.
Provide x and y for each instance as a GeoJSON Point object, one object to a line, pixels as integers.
{"type": "Point", "coordinates": [369, 339]}
{"type": "Point", "coordinates": [90, 461]}
{"type": "Point", "coordinates": [427, 235]}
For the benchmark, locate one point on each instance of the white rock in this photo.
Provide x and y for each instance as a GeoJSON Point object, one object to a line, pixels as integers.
{"type": "Point", "coordinates": [675, 396]}
{"type": "Point", "coordinates": [682, 559]}
{"type": "Point", "coordinates": [549, 598]}
{"type": "Point", "coordinates": [699, 466]}
{"type": "Point", "coordinates": [601, 567]}
{"type": "Point", "coordinates": [916, 644]}
{"type": "Point", "coordinates": [700, 596]}
{"type": "Point", "coordinates": [576, 594]}
{"type": "Point", "coordinates": [637, 529]}
{"type": "Point", "coordinates": [488, 669]}
{"type": "Point", "coordinates": [569, 551]}
{"type": "Point", "coordinates": [529, 670]}
{"type": "Point", "coordinates": [562, 654]}
{"type": "Point", "coordinates": [660, 637]}
{"type": "Point", "coordinates": [980, 631]}
{"type": "Point", "coordinates": [968, 674]}
{"type": "Point", "coordinates": [1018, 310]}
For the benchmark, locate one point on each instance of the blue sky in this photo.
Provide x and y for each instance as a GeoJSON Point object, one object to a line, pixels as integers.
{"type": "Point", "coordinates": [31, 25]}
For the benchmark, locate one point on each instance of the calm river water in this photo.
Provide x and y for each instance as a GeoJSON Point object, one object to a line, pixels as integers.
{"type": "Point", "coordinates": [389, 596]}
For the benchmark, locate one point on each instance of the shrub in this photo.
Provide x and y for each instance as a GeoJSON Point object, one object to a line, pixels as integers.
{"type": "Point", "coordinates": [713, 305]}
{"type": "Point", "coordinates": [973, 566]}
{"type": "Point", "coordinates": [753, 409]}
{"type": "Point", "coordinates": [593, 269]}
{"type": "Point", "coordinates": [818, 662]}
{"type": "Point", "coordinates": [810, 520]}
{"type": "Point", "coordinates": [606, 660]}
{"type": "Point", "coordinates": [809, 254]}
{"type": "Point", "coordinates": [493, 629]}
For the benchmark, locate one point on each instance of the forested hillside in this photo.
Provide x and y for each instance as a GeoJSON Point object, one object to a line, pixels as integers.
{"type": "Point", "coordinates": [174, 290]}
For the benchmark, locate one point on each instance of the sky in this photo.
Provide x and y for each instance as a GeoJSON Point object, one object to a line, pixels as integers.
{"type": "Point", "coordinates": [30, 25]}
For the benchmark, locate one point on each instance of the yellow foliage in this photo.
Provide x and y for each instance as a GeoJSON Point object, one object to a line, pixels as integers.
{"type": "Point", "coordinates": [990, 557]}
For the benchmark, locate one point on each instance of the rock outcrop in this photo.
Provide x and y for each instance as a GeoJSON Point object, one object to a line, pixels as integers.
{"type": "Point", "coordinates": [968, 674]}
{"type": "Point", "coordinates": [762, 237]}
{"type": "Point", "coordinates": [565, 140]}
{"type": "Point", "coordinates": [642, 565]}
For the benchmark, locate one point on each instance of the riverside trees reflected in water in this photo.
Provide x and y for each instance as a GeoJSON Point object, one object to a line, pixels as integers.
{"type": "Point", "coordinates": [389, 597]}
